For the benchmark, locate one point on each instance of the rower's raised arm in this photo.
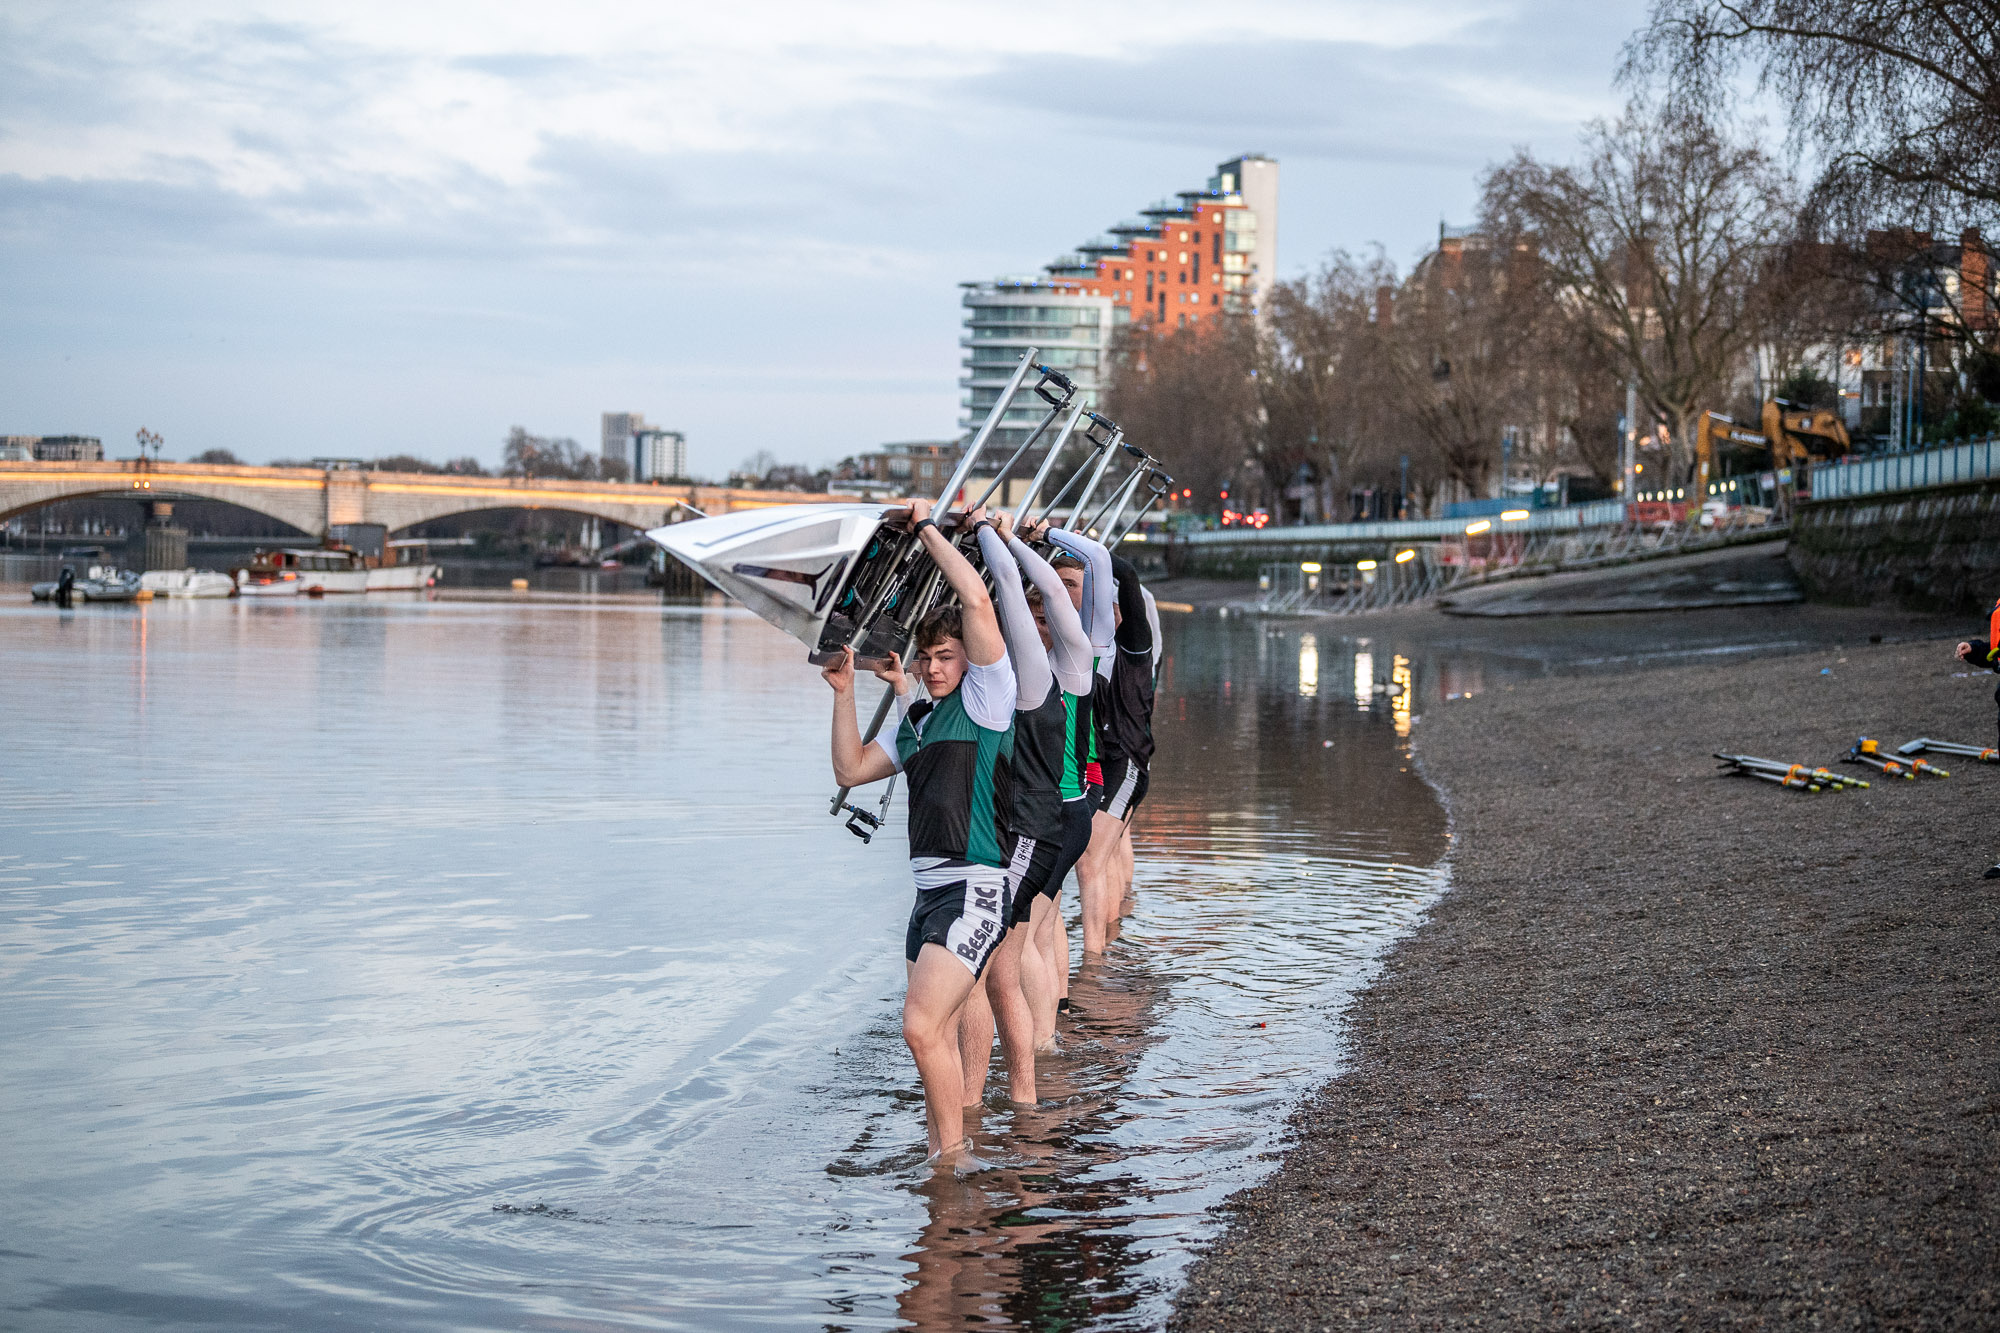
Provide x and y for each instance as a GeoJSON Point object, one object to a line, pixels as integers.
{"type": "Point", "coordinates": [1070, 653]}
{"type": "Point", "coordinates": [984, 645]}
{"type": "Point", "coordinates": [1017, 623]}
{"type": "Point", "coordinates": [1097, 586]}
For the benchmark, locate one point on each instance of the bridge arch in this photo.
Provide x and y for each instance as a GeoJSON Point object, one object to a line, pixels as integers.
{"type": "Point", "coordinates": [313, 500]}
{"type": "Point", "coordinates": [293, 500]}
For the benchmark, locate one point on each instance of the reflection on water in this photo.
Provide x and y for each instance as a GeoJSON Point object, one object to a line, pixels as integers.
{"type": "Point", "coordinates": [442, 965]}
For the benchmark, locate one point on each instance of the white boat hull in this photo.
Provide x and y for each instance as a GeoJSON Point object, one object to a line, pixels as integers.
{"type": "Point", "coordinates": [402, 578]}
{"type": "Point", "coordinates": [187, 583]}
{"type": "Point", "coordinates": [333, 580]}
{"type": "Point", "coordinates": [279, 587]}
{"type": "Point", "coordinates": [788, 563]}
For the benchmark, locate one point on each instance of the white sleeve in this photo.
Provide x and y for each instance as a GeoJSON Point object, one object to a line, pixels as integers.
{"type": "Point", "coordinates": [886, 738]}
{"type": "Point", "coordinates": [1098, 591]}
{"type": "Point", "coordinates": [990, 694]}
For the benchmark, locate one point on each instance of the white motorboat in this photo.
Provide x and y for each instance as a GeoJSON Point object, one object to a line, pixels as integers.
{"type": "Point", "coordinates": [187, 583]}
{"type": "Point", "coordinates": [254, 581]}
{"type": "Point", "coordinates": [801, 567]}
{"type": "Point", "coordinates": [412, 570]}
{"type": "Point", "coordinates": [316, 570]}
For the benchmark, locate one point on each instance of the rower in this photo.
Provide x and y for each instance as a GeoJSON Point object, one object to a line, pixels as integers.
{"type": "Point", "coordinates": [1125, 738]}
{"type": "Point", "coordinates": [956, 749]}
{"type": "Point", "coordinates": [1051, 747]}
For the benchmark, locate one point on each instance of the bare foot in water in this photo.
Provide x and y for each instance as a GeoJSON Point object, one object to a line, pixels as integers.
{"type": "Point", "coordinates": [958, 1159]}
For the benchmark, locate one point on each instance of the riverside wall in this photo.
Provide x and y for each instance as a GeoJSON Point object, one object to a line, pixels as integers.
{"type": "Point", "coordinates": [1930, 550]}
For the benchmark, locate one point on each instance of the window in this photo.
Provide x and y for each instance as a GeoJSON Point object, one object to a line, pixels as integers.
{"type": "Point", "coordinates": [1197, 266]}
{"type": "Point", "coordinates": [1183, 253]}
{"type": "Point", "coordinates": [1184, 236]}
{"type": "Point", "coordinates": [1128, 275]}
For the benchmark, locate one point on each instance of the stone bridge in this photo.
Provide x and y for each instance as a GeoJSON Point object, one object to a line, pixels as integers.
{"type": "Point", "coordinates": [313, 500]}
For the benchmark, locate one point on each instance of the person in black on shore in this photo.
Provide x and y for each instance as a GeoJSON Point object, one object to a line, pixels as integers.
{"type": "Point", "coordinates": [1990, 659]}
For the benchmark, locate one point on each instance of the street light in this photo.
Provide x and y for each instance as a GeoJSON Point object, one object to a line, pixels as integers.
{"type": "Point", "coordinates": [1405, 557]}
{"type": "Point", "coordinates": [1474, 529]}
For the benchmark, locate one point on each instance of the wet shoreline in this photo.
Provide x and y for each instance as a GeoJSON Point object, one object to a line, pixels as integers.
{"type": "Point", "coordinates": [1675, 1046]}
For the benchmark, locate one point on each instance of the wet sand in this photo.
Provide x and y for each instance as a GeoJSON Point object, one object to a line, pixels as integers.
{"type": "Point", "coordinates": [1676, 1047]}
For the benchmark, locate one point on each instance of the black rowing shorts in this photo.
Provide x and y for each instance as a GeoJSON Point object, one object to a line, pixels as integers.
{"type": "Point", "coordinates": [1076, 841]}
{"type": "Point", "coordinates": [1125, 783]}
{"type": "Point", "coordinates": [1034, 861]}
{"type": "Point", "coordinates": [967, 915]}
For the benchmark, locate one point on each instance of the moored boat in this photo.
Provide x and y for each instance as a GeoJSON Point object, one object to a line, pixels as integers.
{"type": "Point", "coordinates": [187, 583]}
{"type": "Point", "coordinates": [327, 569]}
{"type": "Point", "coordinates": [106, 583]}
{"type": "Point", "coordinates": [407, 568]}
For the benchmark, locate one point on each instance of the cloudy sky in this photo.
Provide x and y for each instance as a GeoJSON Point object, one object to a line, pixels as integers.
{"type": "Point", "coordinates": [362, 228]}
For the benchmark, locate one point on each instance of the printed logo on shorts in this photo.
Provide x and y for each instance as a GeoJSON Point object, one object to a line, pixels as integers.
{"type": "Point", "coordinates": [971, 949]}
{"type": "Point", "coordinates": [986, 905]}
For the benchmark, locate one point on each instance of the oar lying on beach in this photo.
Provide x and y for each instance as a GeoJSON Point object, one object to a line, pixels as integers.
{"type": "Point", "coordinates": [1796, 776]}
{"type": "Point", "coordinates": [1865, 751]}
{"type": "Point", "coordinates": [1923, 743]}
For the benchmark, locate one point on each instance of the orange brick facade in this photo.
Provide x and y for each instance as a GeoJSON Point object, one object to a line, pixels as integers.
{"type": "Point", "coordinates": [1173, 276]}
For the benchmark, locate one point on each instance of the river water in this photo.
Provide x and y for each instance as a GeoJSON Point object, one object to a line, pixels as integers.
{"type": "Point", "coordinates": [400, 963]}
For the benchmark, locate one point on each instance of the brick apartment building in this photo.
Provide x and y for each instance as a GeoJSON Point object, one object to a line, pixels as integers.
{"type": "Point", "coordinates": [1194, 257]}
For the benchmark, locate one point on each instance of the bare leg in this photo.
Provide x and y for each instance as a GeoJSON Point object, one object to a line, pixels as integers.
{"type": "Point", "coordinates": [1006, 977]}
{"type": "Point", "coordinates": [975, 1037]}
{"type": "Point", "coordinates": [1125, 864]}
{"type": "Point", "coordinates": [1037, 968]}
{"type": "Point", "coordinates": [939, 984]}
{"type": "Point", "coordinates": [1094, 877]}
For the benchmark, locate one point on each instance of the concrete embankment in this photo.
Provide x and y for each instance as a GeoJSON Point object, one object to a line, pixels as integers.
{"type": "Point", "coordinates": [1756, 575]}
{"type": "Point", "coordinates": [1933, 550]}
{"type": "Point", "coordinates": [1676, 1048]}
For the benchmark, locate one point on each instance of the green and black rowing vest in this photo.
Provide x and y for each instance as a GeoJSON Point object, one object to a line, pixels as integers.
{"type": "Point", "coordinates": [961, 783]}
{"type": "Point", "coordinates": [1078, 747]}
{"type": "Point", "coordinates": [1044, 757]}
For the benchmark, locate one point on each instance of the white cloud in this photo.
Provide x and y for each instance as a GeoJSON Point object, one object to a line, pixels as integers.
{"type": "Point", "coordinates": [762, 198]}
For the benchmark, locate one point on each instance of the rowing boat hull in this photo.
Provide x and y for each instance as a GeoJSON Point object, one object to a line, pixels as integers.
{"type": "Point", "coordinates": [788, 563]}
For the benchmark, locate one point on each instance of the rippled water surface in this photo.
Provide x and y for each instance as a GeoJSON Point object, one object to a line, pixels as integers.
{"type": "Point", "coordinates": [417, 964]}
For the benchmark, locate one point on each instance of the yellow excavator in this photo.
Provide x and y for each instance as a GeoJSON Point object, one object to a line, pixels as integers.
{"type": "Point", "coordinates": [1792, 436]}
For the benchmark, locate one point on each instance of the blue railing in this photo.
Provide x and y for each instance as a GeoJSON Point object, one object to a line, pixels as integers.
{"type": "Point", "coordinates": [1602, 513]}
{"type": "Point", "coordinates": [1978, 460]}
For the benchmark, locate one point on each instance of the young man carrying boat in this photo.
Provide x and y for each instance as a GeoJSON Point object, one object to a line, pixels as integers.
{"type": "Point", "coordinates": [956, 749]}
{"type": "Point", "coordinates": [1052, 806]}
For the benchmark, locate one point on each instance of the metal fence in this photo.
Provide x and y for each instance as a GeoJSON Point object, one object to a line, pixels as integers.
{"type": "Point", "coordinates": [1571, 518]}
{"type": "Point", "coordinates": [1918, 470]}
{"type": "Point", "coordinates": [1321, 588]}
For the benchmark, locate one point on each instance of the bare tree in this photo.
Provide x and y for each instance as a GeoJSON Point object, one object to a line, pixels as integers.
{"type": "Point", "coordinates": [1458, 351]}
{"type": "Point", "coordinates": [1899, 98]}
{"type": "Point", "coordinates": [525, 455]}
{"type": "Point", "coordinates": [1187, 396]}
{"type": "Point", "coordinates": [1659, 243]}
{"type": "Point", "coordinates": [1318, 366]}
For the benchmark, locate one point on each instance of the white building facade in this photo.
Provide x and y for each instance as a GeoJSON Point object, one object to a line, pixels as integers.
{"type": "Point", "coordinates": [1006, 317]}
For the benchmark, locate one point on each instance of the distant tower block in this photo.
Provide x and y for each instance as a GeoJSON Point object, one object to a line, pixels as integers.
{"type": "Point", "coordinates": [619, 428]}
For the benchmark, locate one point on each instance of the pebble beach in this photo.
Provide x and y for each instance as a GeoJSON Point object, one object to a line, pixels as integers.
{"type": "Point", "coordinates": [1677, 1047]}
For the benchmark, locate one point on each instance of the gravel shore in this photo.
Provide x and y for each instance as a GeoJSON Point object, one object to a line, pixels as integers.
{"type": "Point", "coordinates": [1676, 1048]}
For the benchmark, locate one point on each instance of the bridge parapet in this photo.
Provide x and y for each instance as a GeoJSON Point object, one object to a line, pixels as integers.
{"type": "Point", "coordinates": [311, 499]}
